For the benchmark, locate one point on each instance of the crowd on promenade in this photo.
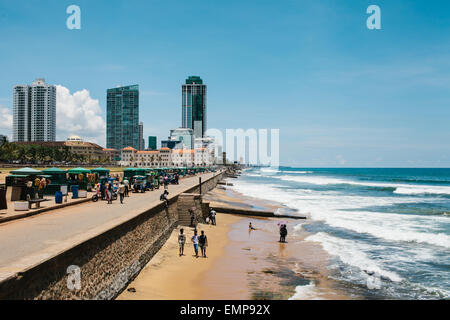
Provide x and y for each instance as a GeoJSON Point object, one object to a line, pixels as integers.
{"type": "Point", "coordinates": [120, 188]}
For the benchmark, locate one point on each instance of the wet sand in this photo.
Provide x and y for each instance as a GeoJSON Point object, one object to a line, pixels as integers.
{"type": "Point", "coordinates": [241, 264]}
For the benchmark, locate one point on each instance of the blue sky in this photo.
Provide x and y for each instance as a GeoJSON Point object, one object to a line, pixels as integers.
{"type": "Point", "coordinates": [341, 95]}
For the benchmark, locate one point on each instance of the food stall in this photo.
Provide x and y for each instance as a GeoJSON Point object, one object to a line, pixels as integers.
{"type": "Point", "coordinates": [18, 180]}
{"type": "Point", "coordinates": [79, 177]}
{"type": "Point", "coordinates": [57, 178]}
{"type": "Point", "coordinates": [101, 173]}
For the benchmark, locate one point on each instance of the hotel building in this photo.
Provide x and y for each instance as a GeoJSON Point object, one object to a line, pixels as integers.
{"type": "Point", "coordinates": [34, 112]}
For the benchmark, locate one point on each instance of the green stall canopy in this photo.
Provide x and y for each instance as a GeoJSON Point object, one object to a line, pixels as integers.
{"type": "Point", "coordinates": [100, 170]}
{"type": "Point", "coordinates": [27, 171]}
{"type": "Point", "coordinates": [54, 171]}
{"type": "Point", "coordinates": [78, 170]}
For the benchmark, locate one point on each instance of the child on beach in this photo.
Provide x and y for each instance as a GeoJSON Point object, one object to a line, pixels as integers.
{"type": "Point", "coordinates": [195, 239]}
{"type": "Point", "coordinates": [181, 241]}
{"type": "Point", "coordinates": [250, 227]}
{"type": "Point", "coordinates": [203, 242]}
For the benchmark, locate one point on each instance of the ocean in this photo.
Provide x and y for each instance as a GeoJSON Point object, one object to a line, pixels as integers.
{"type": "Point", "coordinates": [387, 231]}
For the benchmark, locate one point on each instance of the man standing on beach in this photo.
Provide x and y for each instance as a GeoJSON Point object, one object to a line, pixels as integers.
{"type": "Point", "coordinates": [181, 241]}
{"type": "Point", "coordinates": [212, 216]}
{"type": "Point", "coordinates": [195, 239]}
{"type": "Point", "coordinates": [203, 242]}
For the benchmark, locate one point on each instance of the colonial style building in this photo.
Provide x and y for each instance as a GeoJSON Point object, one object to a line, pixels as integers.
{"type": "Point", "coordinates": [166, 157]}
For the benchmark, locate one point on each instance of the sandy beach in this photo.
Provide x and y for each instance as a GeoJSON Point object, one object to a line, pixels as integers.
{"type": "Point", "coordinates": [241, 264]}
{"type": "Point", "coordinates": [169, 276]}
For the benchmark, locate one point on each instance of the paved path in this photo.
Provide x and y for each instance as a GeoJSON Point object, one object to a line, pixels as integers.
{"type": "Point", "coordinates": [27, 241]}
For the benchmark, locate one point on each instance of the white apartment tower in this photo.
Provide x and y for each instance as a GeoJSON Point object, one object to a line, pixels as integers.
{"type": "Point", "coordinates": [34, 114]}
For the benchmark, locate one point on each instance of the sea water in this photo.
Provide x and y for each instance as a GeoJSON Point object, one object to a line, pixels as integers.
{"type": "Point", "coordinates": [387, 231]}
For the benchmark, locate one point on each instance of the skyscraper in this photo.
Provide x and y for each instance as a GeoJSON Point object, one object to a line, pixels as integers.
{"type": "Point", "coordinates": [122, 118]}
{"type": "Point", "coordinates": [194, 106]}
{"type": "Point", "coordinates": [152, 143]}
{"type": "Point", "coordinates": [141, 136]}
{"type": "Point", "coordinates": [34, 114]}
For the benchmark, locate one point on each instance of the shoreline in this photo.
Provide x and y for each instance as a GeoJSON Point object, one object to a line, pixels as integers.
{"type": "Point", "coordinates": [240, 264]}
{"type": "Point", "coordinates": [294, 270]}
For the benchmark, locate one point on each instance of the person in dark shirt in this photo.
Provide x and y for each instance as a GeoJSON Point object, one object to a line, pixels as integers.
{"type": "Point", "coordinates": [283, 233]}
{"type": "Point", "coordinates": [203, 243]}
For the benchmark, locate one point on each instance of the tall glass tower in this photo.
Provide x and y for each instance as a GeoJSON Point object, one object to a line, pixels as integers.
{"type": "Point", "coordinates": [122, 118]}
{"type": "Point", "coordinates": [194, 106]}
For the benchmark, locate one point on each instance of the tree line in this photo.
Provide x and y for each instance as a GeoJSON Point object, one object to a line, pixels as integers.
{"type": "Point", "coordinates": [38, 154]}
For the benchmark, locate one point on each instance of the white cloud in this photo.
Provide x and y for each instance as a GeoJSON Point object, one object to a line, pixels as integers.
{"type": "Point", "coordinates": [6, 121]}
{"type": "Point", "coordinates": [79, 114]}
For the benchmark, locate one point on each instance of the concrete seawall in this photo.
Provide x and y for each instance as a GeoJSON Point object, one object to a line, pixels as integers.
{"type": "Point", "coordinates": [106, 262]}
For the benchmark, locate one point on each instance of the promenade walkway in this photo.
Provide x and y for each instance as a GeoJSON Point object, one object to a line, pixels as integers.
{"type": "Point", "coordinates": [28, 241]}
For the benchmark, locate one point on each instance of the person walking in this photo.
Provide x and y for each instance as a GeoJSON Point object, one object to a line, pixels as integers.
{"type": "Point", "coordinates": [181, 242]}
{"type": "Point", "coordinates": [195, 240]}
{"type": "Point", "coordinates": [166, 182]}
{"type": "Point", "coordinates": [121, 191]}
{"type": "Point", "coordinates": [109, 191]}
{"type": "Point", "coordinates": [103, 190]}
{"type": "Point", "coordinates": [203, 242]}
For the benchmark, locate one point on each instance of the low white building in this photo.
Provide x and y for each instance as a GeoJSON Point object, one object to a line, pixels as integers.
{"type": "Point", "coordinates": [166, 157]}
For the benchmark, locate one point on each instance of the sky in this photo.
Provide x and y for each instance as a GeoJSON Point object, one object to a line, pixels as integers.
{"type": "Point", "coordinates": [340, 94]}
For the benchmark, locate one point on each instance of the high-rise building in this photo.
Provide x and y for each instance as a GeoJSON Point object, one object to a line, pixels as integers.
{"type": "Point", "coordinates": [184, 135]}
{"type": "Point", "coordinates": [152, 143]}
{"type": "Point", "coordinates": [194, 106]}
{"type": "Point", "coordinates": [141, 136]}
{"type": "Point", "coordinates": [122, 118]}
{"type": "Point", "coordinates": [171, 144]}
{"type": "Point", "coordinates": [34, 114]}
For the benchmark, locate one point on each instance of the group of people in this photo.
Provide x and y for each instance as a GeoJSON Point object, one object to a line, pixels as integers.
{"type": "Point", "coordinates": [198, 241]}
{"type": "Point", "coordinates": [107, 191]}
{"type": "Point", "coordinates": [283, 231]}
